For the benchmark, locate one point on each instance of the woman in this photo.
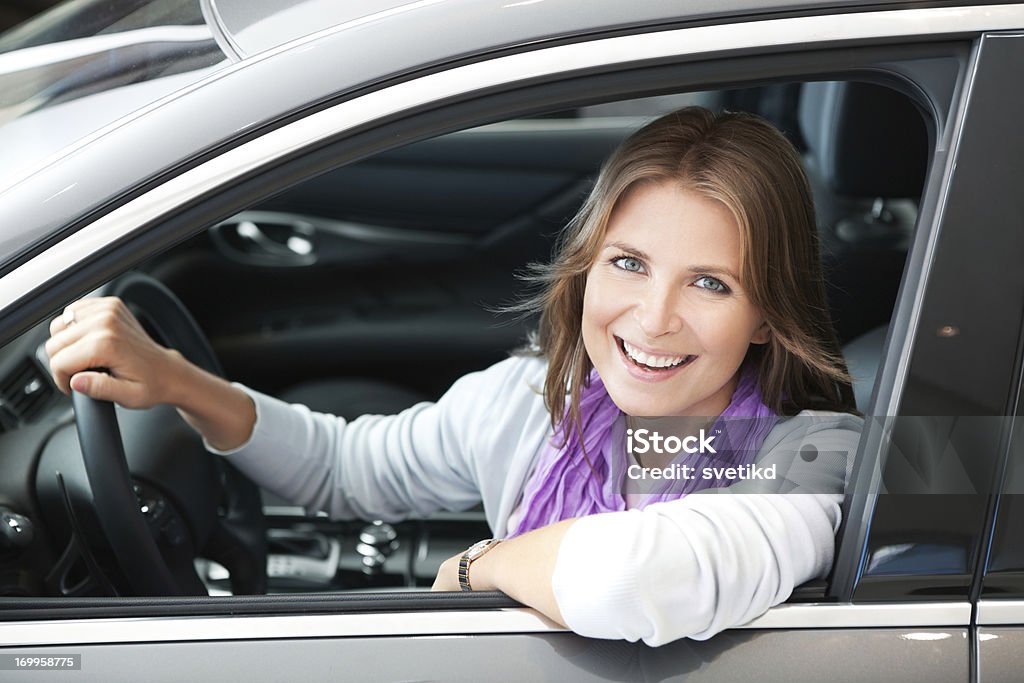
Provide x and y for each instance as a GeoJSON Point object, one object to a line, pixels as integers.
{"type": "Point", "coordinates": [689, 287]}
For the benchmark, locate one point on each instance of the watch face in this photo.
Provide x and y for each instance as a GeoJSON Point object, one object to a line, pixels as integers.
{"type": "Point", "coordinates": [477, 549]}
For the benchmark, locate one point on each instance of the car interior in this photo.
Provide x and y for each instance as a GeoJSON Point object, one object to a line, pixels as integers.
{"type": "Point", "coordinates": [373, 287]}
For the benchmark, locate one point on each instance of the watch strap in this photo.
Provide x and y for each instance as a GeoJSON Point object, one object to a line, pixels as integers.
{"type": "Point", "coordinates": [475, 552]}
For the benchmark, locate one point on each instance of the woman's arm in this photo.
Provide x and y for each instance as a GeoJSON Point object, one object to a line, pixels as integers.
{"type": "Point", "coordinates": [693, 567]}
{"type": "Point", "coordinates": [686, 568]}
{"type": "Point", "coordinates": [520, 567]}
{"type": "Point", "coordinates": [444, 455]}
{"type": "Point", "coordinates": [450, 454]}
{"type": "Point", "coordinates": [105, 334]}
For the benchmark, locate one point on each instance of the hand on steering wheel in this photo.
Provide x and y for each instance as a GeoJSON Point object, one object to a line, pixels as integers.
{"type": "Point", "coordinates": [103, 333]}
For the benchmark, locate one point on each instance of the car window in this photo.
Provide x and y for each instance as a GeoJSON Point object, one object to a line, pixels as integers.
{"type": "Point", "coordinates": [952, 425]}
{"type": "Point", "coordinates": [1002, 563]}
{"type": "Point", "coordinates": [386, 275]}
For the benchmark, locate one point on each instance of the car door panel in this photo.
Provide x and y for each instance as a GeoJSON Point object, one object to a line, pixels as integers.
{"type": "Point", "coordinates": [415, 246]}
{"type": "Point", "coordinates": [999, 654]}
{"type": "Point", "coordinates": [940, 655]}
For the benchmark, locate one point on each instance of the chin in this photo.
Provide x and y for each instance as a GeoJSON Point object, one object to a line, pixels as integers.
{"type": "Point", "coordinates": [639, 403]}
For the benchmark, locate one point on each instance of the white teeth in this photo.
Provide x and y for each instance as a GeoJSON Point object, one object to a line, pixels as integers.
{"type": "Point", "coordinates": [650, 360]}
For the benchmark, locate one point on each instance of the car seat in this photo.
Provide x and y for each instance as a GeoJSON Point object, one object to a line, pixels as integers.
{"type": "Point", "coordinates": [866, 158]}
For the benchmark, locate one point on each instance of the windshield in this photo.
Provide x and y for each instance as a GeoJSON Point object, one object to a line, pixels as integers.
{"type": "Point", "coordinates": [86, 63]}
{"type": "Point", "coordinates": [83, 65]}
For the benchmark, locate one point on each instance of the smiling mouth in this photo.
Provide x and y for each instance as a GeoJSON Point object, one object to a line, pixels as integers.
{"type": "Point", "coordinates": [649, 362]}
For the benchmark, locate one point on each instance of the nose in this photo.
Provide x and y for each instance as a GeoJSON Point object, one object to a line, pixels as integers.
{"type": "Point", "coordinates": [658, 311]}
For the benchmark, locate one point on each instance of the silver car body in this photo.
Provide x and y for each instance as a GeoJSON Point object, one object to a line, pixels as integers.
{"type": "Point", "coordinates": [336, 77]}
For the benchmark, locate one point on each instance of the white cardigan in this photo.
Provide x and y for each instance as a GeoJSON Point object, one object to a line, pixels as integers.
{"type": "Point", "coordinates": [684, 568]}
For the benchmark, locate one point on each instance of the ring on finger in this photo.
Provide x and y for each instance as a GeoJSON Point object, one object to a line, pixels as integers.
{"type": "Point", "coordinates": [69, 317]}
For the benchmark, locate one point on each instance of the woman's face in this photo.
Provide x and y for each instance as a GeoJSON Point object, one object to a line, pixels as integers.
{"type": "Point", "coordinates": [666, 322]}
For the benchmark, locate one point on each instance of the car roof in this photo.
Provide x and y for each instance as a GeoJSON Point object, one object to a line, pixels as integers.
{"type": "Point", "coordinates": [250, 27]}
{"type": "Point", "coordinates": [254, 27]}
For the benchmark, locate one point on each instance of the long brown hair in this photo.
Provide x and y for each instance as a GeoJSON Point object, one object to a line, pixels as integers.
{"type": "Point", "coordinates": [747, 164]}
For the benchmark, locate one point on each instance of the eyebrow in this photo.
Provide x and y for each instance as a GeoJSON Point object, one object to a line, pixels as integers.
{"type": "Point", "coordinates": [709, 270]}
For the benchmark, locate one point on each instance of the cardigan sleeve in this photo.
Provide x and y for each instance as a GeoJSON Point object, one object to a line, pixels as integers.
{"type": "Point", "coordinates": [696, 566]}
{"type": "Point", "coordinates": [378, 466]}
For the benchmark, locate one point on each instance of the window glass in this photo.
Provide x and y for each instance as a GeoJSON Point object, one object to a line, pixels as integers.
{"type": "Point", "coordinates": [85, 64]}
{"type": "Point", "coordinates": [1004, 574]}
{"type": "Point", "coordinates": [949, 439]}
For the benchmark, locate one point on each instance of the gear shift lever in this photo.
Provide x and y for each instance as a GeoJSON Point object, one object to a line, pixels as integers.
{"type": "Point", "coordinates": [376, 543]}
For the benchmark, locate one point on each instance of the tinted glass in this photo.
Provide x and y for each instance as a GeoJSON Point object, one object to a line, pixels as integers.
{"type": "Point", "coordinates": [86, 18]}
{"type": "Point", "coordinates": [84, 65]}
{"type": "Point", "coordinates": [927, 533]}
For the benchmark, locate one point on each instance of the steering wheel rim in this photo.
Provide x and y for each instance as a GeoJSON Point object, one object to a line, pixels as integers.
{"type": "Point", "coordinates": [238, 536]}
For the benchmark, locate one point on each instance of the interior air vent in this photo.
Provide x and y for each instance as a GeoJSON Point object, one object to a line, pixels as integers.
{"type": "Point", "coordinates": [24, 393]}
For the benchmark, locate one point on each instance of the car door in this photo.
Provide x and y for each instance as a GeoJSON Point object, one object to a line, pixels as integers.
{"type": "Point", "coordinates": [866, 622]}
{"type": "Point", "coordinates": [952, 452]}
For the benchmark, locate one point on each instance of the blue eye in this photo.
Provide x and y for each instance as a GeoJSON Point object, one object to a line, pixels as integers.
{"type": "Point", "coordinates": [628, 264]}
{"type": "Point", "coordinates": [711, 284]}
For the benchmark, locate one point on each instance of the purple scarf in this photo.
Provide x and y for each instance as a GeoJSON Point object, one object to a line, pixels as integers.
{"type": "Point", "coordinates": [563, 485]}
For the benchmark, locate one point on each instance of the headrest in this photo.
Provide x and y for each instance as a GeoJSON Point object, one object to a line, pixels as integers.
{"type": "Point", "coordinates": [866, 140]}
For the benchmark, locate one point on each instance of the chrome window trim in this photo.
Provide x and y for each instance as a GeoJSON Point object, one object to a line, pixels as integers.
{"type": "Point", "coordinates": [877, 615]}
{"type": "Point", "coordinates": [436, 623]}
{"type": "Point", "coordinates": [1000, 612]}
{"type": "Point", "coordinates": [501, 71]}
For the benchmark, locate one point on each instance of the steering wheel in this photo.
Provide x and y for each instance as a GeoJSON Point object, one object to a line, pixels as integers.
{"type": "Point", "coordinates": [135, 515]}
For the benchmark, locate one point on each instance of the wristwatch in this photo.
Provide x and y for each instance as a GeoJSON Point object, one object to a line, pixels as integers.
{"type": "Point", "coordinates": [468, 557]}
